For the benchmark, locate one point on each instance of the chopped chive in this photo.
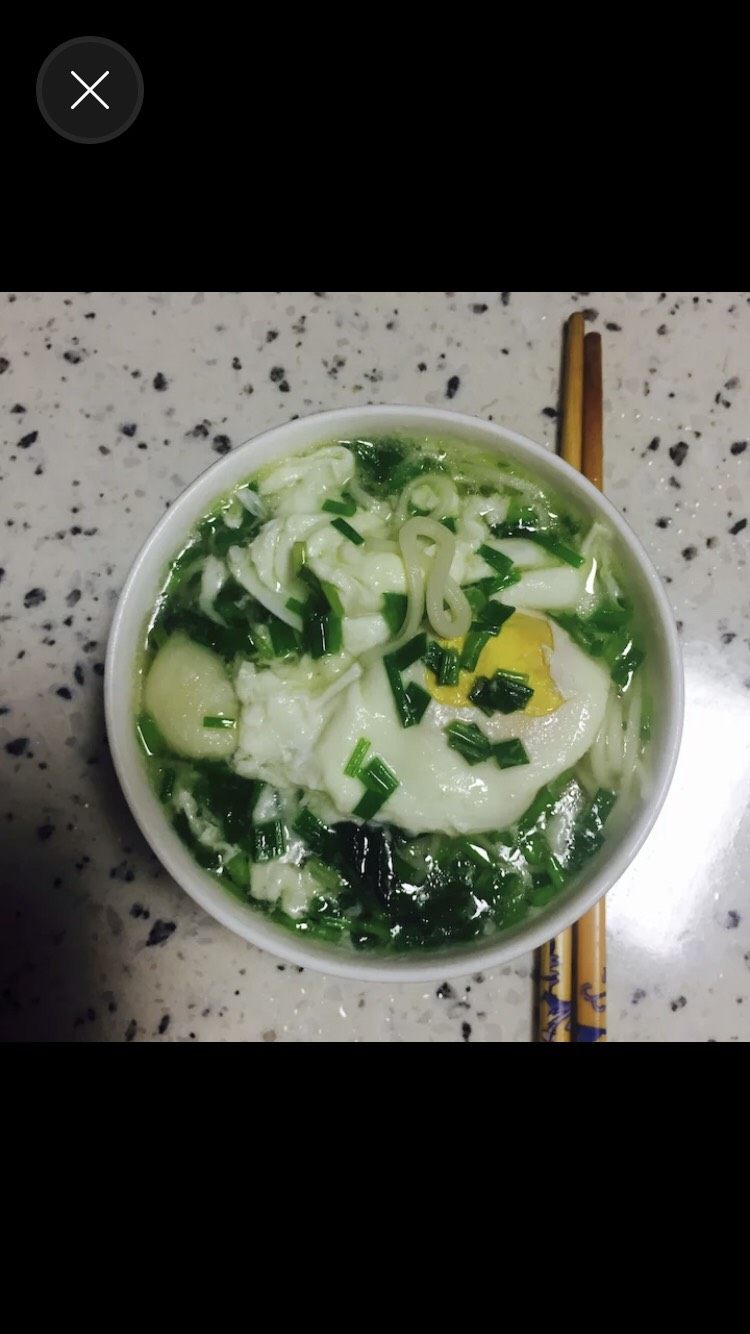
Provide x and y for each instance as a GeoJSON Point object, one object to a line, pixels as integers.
{"type": "Point", "coordinates": [149, 735]}
{"type": "Point", "coordinates": [345, 507]}
{"type": "Point", "coordinates": [331, 594]}
{"type": "Point", "coordinates": [211, 720]}
{"type": "Point", "coordinates": [292, 604]}
{"type": "Point", "coordinates": [409, 652]}
{"type": "Point", "coordinates": [347, 531]}
{"type": "Point", "coordinates": [377, 776]}
{"type": "Point", "coordinates": [469, 741]}
{"type": "Point", "coordinates": [322, 634]}
{"type": "Point", "coordinates": [626, 665]}
{"type": "Point", "coordinates": [475, 641]}
{"type": "Point", "coordinates": [503, 564]}
{"type": "Point", "coordinates": [316, 834]}
{"type": "Point", "coordinates": [283, 638]}
{"type": "Point", "coordinates": [504, 693]}
{"type": "Point", "coordinates": [419, 700]}
{"type": "Point", "coordinates": [495, 614]}
{"type": "Point", "coordinates": [238, 870]}
{"type": "Point", "coordinates": [394, 610]}
{"type": "Point", "coordinates": [448, 674]}
{"type": "Point", "coordinates": [326, 876]}
{"type": "Point", "coordinates": [509, 754]}
{"type": "Point", "coordinates": [381, 783]}
{"type": "Point", "coordinates": [167, 784]}
{"type": "Point", "coordinates": [556, 548]}
{"type": "Point", "coordinates": [403, 707]}
{"type": "Point", "coordinates": [268, 841]}
{"type": "Point", "coordinates": [354, 763]}
{"type": "Point", "coordinates": [299, 557]}
{"type": "Point", "coordinates": [433, 657]}
{"type": "Point", "coordinates": [475, 597]}
{"type": "Point", "coordinates": [449, 523]}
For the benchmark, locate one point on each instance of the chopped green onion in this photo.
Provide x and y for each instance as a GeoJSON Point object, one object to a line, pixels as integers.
{"type": "Point", "coordinates": [448, 674]}
{"type": "Point", "coordinates": [626, 665]}
{"type": "Point", "coordinates": [504, 693]}
{"type": "Point", "coordinates": [149, 735]}
{"type": "Point", "coordinates": [238, 870]}
{"type": "Point", "coordinates": [212, 721]}
{"type": "Point", "coordinates": [268, 841]}
{"type": "Point", "coordinates": [409, 652]}
{"type": "Point", "coordinates": [167, 784]}
{"type": "Point", "coordinates": [503, 564]}
{"type": "Point", "coordinates": [495, 614]}
{"type": "Point", "coordinates": [475, 597]}
{"type": "Point", "coordinates": [381, 783]}
{"type": "Point", "coordinates": [354, 763]}
{"type": "Point", "coordinates": [557, 548]}
{"type": "Point", "coordinates": [469, 741]}
{"type": "Point", "coordinates": [326, 876]}
{"type": "Point", "coordinates": [347, 531]}
{"type": "Point", "coordinates": [475, 641]}
{"type": "Point", "coordinates": [283, 638]}
{"type": "Point", "coordinates": [394, 610]}
{"type": "Point", "coordinates": [544, 802]}
{"type": "Point", "coordinates": [419, 700]}
{"type": "Point", "coordinates": [400, 696]}
{"type": "Point", "coordinates": [345, 507]}
{"type": "Point", "coordinates": [433, 657]}
{"type": "Point", "coordinates": [316, 834]}
{"type": "Point", "coordinates": [450, 523]}
{"type": "Point", "coordinates": [299, 557]}
{"type": "Point", "coordinates": [509, 754]}
{"type": "Point", "coordinates": [292, 604]}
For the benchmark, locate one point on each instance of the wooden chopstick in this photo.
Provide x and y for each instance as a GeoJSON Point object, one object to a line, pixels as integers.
{"type": "Point", "coordinates": [556, 957]}
{"type": "Point", "coordinates": [590, 931]}
{"type": "Point", "coordinates": [574, 963]}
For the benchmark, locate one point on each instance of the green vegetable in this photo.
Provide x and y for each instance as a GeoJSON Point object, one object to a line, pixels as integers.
{"type": "Point", "coordinates": [494, 615]}
{"type": "Point", "coordinates": [238, 869]}
{"type": "Point", "coordinates": [504, 693]}
{"type": "Point", "coordinates": [292, 604]}
{"type": "Point", "coordinates": [347, 531]}
{"type": "Point", "coordinates": [268, 841]}
{"type": "Point", "coordinates": [449, 523]}
{"type": "Point", "coordinates": [212, 721]}
{"type": "Point", "coordinates": [344, 507]}
{"type": "Point", "coordinates": [496, 559]}
{"type": "Point", "coordinates": [322, 634]}
{"type": "Point", "coordinates": [469, 741]}
{"type": "Point", "coordinates": [354, 763]}
{"type": "Point", "coordinates": [328, 878]}
{"type": "Point", "coordinates": [448, 674]}
{"type": "Point", "coordinates": [509, 754]}
{"type": "Point", "coordinates": [401, 699]}
{"type": "Point", "coordinates": [381, 783]}
{"type": "Point", "coordinates": [475, 641]}
{"type": "Point", "coordinates": [284, 640]}
{"type": "Point", "coordinates": [317, 835]}
{"type": "Point", "coordinates": [419, 700]}
{"type": "Point", "coordinates": [409, 652]}
{"type": "Point", "coordinates": [149, 735]}
{"type": "Point", "coordinates": [394, 610]}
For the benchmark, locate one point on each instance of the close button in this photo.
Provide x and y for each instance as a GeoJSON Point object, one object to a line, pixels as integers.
{"type": "Point", "coordinates": [89, 90]}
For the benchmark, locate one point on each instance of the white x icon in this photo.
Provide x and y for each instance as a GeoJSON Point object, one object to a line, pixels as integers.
{"type": "Point", "coordinates": [90, 90]}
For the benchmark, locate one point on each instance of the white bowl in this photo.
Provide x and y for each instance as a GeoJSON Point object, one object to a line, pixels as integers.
{"type": "Point", "coordinates": [137, 600]}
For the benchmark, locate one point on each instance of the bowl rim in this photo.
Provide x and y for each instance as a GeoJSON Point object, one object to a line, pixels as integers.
{"type": "Point", "coordinates": [250, 924]}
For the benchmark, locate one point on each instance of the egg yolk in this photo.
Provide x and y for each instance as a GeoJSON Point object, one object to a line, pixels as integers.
{"type": "Point", "coordinates": [519, 646]}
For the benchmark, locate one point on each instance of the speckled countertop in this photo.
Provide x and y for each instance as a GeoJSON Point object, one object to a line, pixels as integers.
{"type": "Point", "coordinates": [111, 403]}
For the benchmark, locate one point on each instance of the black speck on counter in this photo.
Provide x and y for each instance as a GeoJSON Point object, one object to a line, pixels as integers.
{"type": "Point", "coordinates": [690, 553]}
{"type": "Point", "coordinates": [78, 673]}
{"type": "Point", "coordinates": [27, 440]}
{"type": "Point", "coordinates": [17, 747]}
{"type": "Point", "coordinates": [637, 996]}
{"type": "Point", "coordinates": [550, 412]}
{"type": "Point", "coordinates": [505, 298]}
{"type": "Point", "coordinates": [452, 386]}
{"type": "Point", "coordinates": [613, 328]}
{"type": "Point", "coordinates": [663, 523]}
{"type": "Point", "coordinates": [272, 335]}
{"type": "Point", "coordinates": [677, 486]}
{"type": "Point", "coordinates": [662, 329]}
{"type": "Point", "coordinates": [73, 596]}
{"type": "Point", "coordinates": [137, 910]}
{"type": "Point", "coordinates": [4, 364]}
{"type": "Point", "coordinates": [64, 692]}
{"type": "Point", "coordinates": [590, 314]}
{"type": "Point", "coordinates": [34, 597]}
{"type": "Point", "coordinates": [160, 932]}
{"type": "Point", "coordinates": [284, 387]}
{"type": "Point", "coordinates": [738, 527]}
{"type": "Point", "coordinates": [479, 308]}
{"type": "Point", "coordinates": [422, 366]}
{"type": "Point", "coordinates": [44, 832]}
{"type": "Point", "coordinates": [445, 991]}
{"type": "Point", "coordinates": [73, 358]}
{"type": "Point", "coordinates": [729, 637]}
{"type": "Point", "coordinates": [199, 431]}
{"type": "Point", "coordinates": [131, 1031]}
{"type": "Point", "coordinates": [465, 1031]}
{"type": "Point", "coordinates": [236, 364]}
{"type": "Point", "coordinates": [732, 920]}
{"type": "Point", "coordinates": [738, 447]}
{"type": "Point", "coordinates": [164, 1023]}
{"type": "Point", "coordinates": [222, 444]}
{"type": "Point", "coordinates": [654, 444]}
{"type": "Point", "coordinates": [678, 453]}
{"type": "Point", "coordinates": [129, 428]}
{"type": "Point", "coordinates": [160, 381]}
{"type": "Point", "coordinates": [276, 373]}
{"type": "Point", "coordinates": [678, 1004]}
{"type": "Point", "coordinates": [18, 407]}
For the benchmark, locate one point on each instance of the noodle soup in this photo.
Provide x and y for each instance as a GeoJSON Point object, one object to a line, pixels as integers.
{"type": "Point", "coordinates": [392, 693]}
